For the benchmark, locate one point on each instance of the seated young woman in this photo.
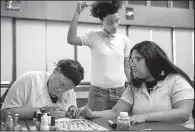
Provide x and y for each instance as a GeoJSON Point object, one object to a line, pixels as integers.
{"type": "Point", "coordinates": [159, 90]}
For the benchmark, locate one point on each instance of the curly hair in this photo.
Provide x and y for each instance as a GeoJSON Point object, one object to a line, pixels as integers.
{"type": "Point", "coordinates": [71, 69]}
{"type": "Point", "coordinates": [101, 9]}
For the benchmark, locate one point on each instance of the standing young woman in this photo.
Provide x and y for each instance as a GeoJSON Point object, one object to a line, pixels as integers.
{"type": "Point", "coordinates": [109, 53]}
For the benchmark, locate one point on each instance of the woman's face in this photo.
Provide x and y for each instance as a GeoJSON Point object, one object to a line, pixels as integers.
{"type": "Point", "coordinates": [139, 66]}
{"type": "Point", "coordinates": [110, 23]}
{"type": "Point", "coordinates": [58, 83]}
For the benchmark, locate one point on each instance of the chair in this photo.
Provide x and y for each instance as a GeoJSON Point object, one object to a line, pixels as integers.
{"type": "Point", "coordinates": [2, 98]}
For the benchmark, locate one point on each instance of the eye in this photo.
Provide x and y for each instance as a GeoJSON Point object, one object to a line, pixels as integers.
{"type": "Point", "coordinates": [62, 84]}
{"type": "Point", "coordinates": [110, 22]}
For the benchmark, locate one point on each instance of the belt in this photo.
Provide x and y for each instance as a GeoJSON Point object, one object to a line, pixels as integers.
{"type": "Point", "coordinates": [107, 89]}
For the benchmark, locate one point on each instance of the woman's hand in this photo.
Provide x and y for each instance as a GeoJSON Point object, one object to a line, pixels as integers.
{"type": "Point", "coordinates": [69, 112]}
{"type": "Point", "coordinates": [50, 108]}
{"type": "Point", "coordinates": [80, 7]}
{"type": "Point", "coordinates": [83, 111]}
{"type": "Point", "coordinates": [138, 118]}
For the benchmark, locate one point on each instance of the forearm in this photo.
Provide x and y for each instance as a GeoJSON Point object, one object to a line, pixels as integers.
{"type": "Point", "coordinates": [104, 114]}
{"type": "Point", "coordinates": [72, 32]}
{"type": "Point", "coordinates": [175, 115]}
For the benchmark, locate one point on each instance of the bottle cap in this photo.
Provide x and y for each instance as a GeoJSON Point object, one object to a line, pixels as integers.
{"type": "Point", "coordinates": [112, 124]}
{"type": "Point", "coordinates": [39, 116]}
{"type": "Point", "coordinates": [35, 115]}
{"type": "Point", "coordinates": [52, 121]}
{"type": "Point", "coordinates": [43, 110]}
{"type": "Point", "coordinates": [33, 128]}
{"type": "Point", "coordinates": [48, 114]}
{"type": "Point", "coordinates": [123, 114]}
{"type": "Point", "coordinates": [16, 114]}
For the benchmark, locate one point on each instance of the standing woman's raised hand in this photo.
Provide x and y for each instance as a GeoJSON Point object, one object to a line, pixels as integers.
{"type": "Point", "coordinates": [81, 6]}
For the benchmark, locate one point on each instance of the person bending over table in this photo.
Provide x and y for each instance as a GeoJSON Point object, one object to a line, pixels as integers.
{"type": "Point", "coordinates": [51, 91]}
{"type": "Point", "coordinates": [159, 90]}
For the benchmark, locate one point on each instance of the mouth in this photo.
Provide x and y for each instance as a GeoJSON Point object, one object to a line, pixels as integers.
{"type": "Point", "coordinates": [133, 70]}
{"type": "Point", "coordinates": [114, 30]}
{"type": "Point", "coordinates": [55, 92]}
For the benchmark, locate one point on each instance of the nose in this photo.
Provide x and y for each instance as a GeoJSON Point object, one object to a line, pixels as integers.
{"type": "Point", "coordinates": [115, 25]}
{"type": "Point", "coordinates": [131, 64]}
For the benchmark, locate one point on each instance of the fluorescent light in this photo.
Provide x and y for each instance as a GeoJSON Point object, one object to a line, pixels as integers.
{"type": "Point", "coordinates": [150, 34]}
{"type": "Point", "coordinates": [174, 47]}
{"type": "Point", "coordinates": [193, 47]}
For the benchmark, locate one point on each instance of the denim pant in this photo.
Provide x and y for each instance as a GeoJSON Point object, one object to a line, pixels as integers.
{"type": "Point", "coordinates": [101, 99]}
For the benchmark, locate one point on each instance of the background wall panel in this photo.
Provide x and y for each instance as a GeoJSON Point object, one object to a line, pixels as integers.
{"type": "Point", "coordinates": [162, 36]}
{"type": "Point", "coordinates": [137, 34]}
{"type": "Point", "coordinates": [6, 49]}
{"type": "Point", "coordinates": [57, 47]}
{"type": "Point", "coordinates": [30, 46]}
{"type": "Point", "coordinates": [184, 59]}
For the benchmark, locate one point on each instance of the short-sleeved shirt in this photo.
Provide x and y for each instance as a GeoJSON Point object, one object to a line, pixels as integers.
{"type": "Point", "coordinates": [107, 56]}
{"type": "Point", "coordinates": [30, 90]}
{"type": "Point", "coordinates": [166, 93]}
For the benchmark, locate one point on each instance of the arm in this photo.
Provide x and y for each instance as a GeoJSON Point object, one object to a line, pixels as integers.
{"type": "Point", "coordinates": [182, 98]}
{"type": "Point", "coordinates": [121, 106]}
{"type": "Point", "coordinates": [180, 113]}
{"type": "Point", "coordinates": [72, 32]}
{"type": "Point", "coordinates": [67, 99]}
{"type": "Point", "coordinates": [127, 69]}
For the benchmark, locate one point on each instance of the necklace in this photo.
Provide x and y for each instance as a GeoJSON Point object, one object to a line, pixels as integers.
{"type": "Point", "coordinates": [150, 85]}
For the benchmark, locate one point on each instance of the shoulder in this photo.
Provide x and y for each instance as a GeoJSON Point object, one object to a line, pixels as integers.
{"type": "Point", "coordinates": [93, 33]}
{"type": "Point", "coordinates": [173, 77]}
{"type": "Point", "coordinates": [69, 94]}
{"type": "Point", "coordinates": [34, 75]}
{"type": "Point", "coordinates": [123, 36]}
{"type": "Point", "coordinates": [177, 80]}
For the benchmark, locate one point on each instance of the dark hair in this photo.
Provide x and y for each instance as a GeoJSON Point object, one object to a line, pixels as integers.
{"type": "Point", "coordinates": [71, 69]}
{"type": "Point", "coordinates": [157, 62]}
{"type": "Point", "coordinates": [101, 9]}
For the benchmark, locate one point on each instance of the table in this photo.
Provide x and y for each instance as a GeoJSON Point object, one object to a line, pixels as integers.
{"type": "Point", "coordinates": [154, 126]}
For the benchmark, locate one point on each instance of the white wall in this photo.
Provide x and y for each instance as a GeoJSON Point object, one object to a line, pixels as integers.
{"type": "Point", "coordinates": [39, 44]}
{"type": "Point", "coordinates": [57, 47]}
{"type": "Point", "coordinates": [6, 49]}
{"type": "Point", "coordinates": [162, 36]}
{"type": "Point", "coordinates": [183, 50]}
{"type": "Point", "coordinates": [137, 34]}
{"type": "Point", "coordinates": [30, 46]}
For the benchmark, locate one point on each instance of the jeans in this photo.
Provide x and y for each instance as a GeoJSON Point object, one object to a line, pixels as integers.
{"type": "Point", "coordinates": [101, 99]}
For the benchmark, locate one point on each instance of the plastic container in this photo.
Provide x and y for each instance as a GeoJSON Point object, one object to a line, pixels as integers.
{"type": "Point", "coordinates": [123, 121]}
{"type": "Point", "coordinates": [16, 119]}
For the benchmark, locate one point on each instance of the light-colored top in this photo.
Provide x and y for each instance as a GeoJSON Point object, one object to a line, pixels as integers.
{"type": "Point", "coordinates": [107, 57]}
{"type": "Point", "coordinates": [30, 90]}
{"type": "Point", "coordinates": [166, 93]}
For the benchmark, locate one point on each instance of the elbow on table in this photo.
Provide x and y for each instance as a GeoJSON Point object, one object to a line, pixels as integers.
{"type": "Point", "coordinates": [70, 41]}
{"type": "Point", "coordinates": [184, 117]}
